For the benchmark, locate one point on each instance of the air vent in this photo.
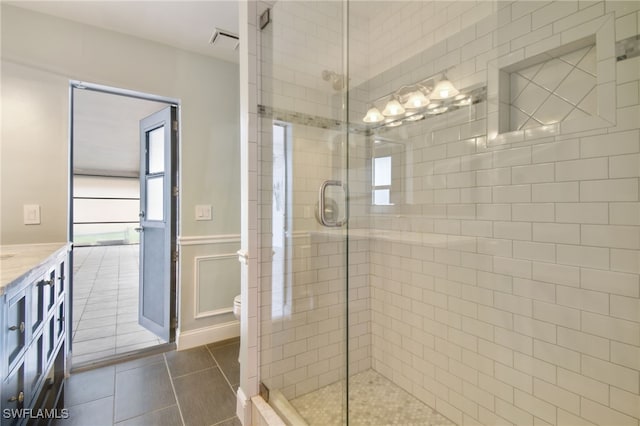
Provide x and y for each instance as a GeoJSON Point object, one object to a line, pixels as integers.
{"type": "Point", "coordinates": [224, 40]}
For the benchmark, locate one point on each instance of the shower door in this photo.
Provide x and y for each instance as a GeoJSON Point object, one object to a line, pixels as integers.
{"type": "Point", "coordinates": [303, 212]}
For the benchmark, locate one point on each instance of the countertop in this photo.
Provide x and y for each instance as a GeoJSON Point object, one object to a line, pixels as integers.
{"type": "Point", "coordinates": [20, 259]}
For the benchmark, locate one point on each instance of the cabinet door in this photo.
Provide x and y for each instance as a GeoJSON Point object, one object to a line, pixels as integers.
{"type": "Point", "coordinates": [36, 304]}
{"type": "Point", "coordinates": [16, 327]}
{"type": "Point", "coordinates": [13, 397]}
{"type": "Point", "coordinates": [50, 284]}
{"type": "Point", "coordinates": [34, 365]}
{"type": "Point", "coordinates": [61, 276]}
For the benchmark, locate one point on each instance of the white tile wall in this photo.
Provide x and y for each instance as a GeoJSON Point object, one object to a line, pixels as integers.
{"type": "Point", "coordinates": [503, 285]}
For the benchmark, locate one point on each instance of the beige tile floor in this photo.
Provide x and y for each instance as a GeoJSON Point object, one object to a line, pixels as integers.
{"type": "Point", "coordinates": [105, 303]}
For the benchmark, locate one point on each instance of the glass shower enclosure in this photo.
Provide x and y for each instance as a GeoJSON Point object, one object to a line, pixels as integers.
{"type": "Point", "coordinates": [448, 213]}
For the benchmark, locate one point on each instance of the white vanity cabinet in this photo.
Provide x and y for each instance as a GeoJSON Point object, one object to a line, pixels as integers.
{"type": "Point", "coordinates": [33, 328]}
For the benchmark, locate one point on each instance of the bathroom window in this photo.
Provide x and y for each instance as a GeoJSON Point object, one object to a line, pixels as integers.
{"type": "Point", "coordinates": [381, 178]}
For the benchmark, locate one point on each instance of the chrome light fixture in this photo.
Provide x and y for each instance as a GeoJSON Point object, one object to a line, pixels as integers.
{"type": "Point", "coordinates": [413, 102]}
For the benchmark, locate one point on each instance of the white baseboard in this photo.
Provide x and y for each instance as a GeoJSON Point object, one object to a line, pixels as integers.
{"type": "Point", "coordinates": [203, 336]}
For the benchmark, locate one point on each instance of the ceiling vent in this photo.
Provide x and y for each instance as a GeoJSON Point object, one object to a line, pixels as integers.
{"type": "Point", "coordinates": [224, 39]}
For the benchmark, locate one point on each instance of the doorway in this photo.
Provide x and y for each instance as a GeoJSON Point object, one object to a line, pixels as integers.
{"type": "Point", "coordinates": [123, 222]}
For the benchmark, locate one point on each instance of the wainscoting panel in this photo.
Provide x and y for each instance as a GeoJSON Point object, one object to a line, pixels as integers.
{"type": "Point", "coordinates": [217, 283]}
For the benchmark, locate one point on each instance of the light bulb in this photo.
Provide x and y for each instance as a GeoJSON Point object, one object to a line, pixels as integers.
{"type": "Point", "coordinates": [373, 116]}
{"type": "Point", "coordinates": [393, 108]}
{"type": "Point", "coordinates": [416, 100]}
{"type": "Point", "coordinates": [444, 90]}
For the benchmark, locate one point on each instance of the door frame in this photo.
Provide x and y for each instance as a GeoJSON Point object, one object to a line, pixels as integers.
{"type": "Point", "coordinates": [82, 85]}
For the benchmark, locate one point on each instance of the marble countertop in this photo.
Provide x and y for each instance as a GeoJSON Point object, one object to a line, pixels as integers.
{"type": "Point", "coordinates": [19, 259]}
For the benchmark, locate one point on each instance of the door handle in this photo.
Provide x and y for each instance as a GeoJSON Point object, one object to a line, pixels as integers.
{"type": "Point", "coordinates": [139, 229]}
{"type": "Point", "coordinates": [321, 213]}
{"type": "Point", "coordinates": [17, 327]}
{"type": "Point", "coordinates": [19, 398]}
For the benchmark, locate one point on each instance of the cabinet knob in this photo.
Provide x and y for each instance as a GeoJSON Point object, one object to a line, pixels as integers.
{"type": "Point", "coordinates": [47, 282]}
{"type": "Point", "coordinates": [17, 327]}
{"type": "Point", "coordinates": [61, 278]}
{"type": "Point", "coordinates": [19, 398]}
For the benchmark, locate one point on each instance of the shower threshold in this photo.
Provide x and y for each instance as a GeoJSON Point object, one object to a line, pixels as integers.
{"type": "Point", "coordinates": [373, 400]}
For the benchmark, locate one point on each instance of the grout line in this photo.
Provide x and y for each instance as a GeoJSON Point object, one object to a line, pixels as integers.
{"type": "Point", "coordinates": [221, 370]}
{"type": "Point", "coordinates": [223, 421]}
{"type": "Point", "coordinates": [173, 387]}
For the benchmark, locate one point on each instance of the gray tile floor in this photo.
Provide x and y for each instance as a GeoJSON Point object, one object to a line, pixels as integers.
{"type": "Point", "coordinates": [105, 303]}
{"type": "Point", "coordinates": [195, 387]}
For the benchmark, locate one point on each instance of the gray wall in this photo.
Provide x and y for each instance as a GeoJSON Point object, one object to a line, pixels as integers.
{"type": "Point", "coordinates": [40, 54]}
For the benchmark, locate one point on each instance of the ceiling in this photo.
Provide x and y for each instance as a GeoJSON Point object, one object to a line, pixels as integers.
{"type": "Point", "coordinates": [106, 132]}
{"type": "Point", "coordinates": [187, 25]}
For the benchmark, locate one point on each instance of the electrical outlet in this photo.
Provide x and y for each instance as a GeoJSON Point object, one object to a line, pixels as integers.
{"type": "Point", "coordinates": [31, 214]}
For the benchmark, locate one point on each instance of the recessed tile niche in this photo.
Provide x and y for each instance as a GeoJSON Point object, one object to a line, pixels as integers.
{"type": "Point", "coordinates": [565, 88]}
{"type": "Point", "coordinates": [560, 87]}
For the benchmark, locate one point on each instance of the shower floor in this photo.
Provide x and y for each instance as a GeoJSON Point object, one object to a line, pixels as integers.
{"type": "Point", "coordinates": [374, 400]}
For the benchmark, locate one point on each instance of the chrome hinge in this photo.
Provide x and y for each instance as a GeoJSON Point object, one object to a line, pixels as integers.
{"type": "Point", "coordinates": [175, 125]}
{"type": "Point", "coordinates": [174, 191]}
{"type": "Point", "coordinates": [174, 256]}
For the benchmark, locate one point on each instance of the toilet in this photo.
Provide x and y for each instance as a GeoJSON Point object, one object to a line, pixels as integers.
{"type": "Point", "coordinates": [237, 305]}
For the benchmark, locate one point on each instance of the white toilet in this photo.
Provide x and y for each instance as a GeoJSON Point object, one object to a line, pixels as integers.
{"type": "Point", "coordinates": [237, 306]}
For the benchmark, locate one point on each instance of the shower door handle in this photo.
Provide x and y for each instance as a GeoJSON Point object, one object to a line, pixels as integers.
{"type": "Point", "coordinates": [321, 213]}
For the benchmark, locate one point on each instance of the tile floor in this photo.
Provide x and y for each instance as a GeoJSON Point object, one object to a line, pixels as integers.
{"type": "Point", "coordinates": [105, 303]}
{"type": "Point", "coordinates": [195, 387]}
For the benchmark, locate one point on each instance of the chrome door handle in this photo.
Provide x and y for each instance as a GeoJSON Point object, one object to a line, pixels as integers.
{"type": "Point", "coordinates": [139, 229]}
{"type": "Point", "coordinates": [321, 213]}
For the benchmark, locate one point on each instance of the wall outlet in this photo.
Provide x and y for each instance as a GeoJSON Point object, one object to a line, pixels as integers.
{"type": "Point", "coordinates": [31, 214]}
{"type": "Point", "coordinates": [203, 212]}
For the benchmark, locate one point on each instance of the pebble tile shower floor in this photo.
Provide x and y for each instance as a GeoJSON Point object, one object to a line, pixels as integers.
{"type": "Point", "coordinates": [373, 400]}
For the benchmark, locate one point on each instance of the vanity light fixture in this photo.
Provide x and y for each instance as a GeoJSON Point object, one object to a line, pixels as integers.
{"type": "Point", "coordinates": [462, 100]}
{"type": "Point", "coordinates": [444, 89]}
{"type": "Point", "coordinates": [373, 116]}
{"type": "Point", "coordinates": [413, 102]}
{"type": "Point", "coordinates": [416, 100]}
{"type": "Point", "coordinates": [393, 108]}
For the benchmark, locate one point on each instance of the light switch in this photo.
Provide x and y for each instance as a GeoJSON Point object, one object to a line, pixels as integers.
{"type": "Point", "coordinates": [31, 214]}
{"type": "Point", "coordinates": [203, 212]}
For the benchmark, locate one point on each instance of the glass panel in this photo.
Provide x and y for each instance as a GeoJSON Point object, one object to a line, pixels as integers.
{"type": "Point", "coordinates": [155, 198]}
{"type": "Point", "coordinates": [101, 210]}
{"type": "Point", "coordinates": [382, 171]}
{"type": "Point", "coordinates": [156, 150]}
{"type": "Point", "coordinates": [304, 273]}
{"type": "Point", "coordinates": [381, 197]}
{"type": "Point", "coordinates": [105, 234]}
{"type": "Point", "coordinates": [106, 187]}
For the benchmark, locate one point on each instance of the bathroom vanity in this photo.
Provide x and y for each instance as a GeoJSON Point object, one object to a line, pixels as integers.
{"type": "Point", "coordinates": [33, 328]}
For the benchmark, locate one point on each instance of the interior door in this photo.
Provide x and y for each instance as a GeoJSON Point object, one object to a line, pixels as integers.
{"type": "Point", "coordinates": [158, 201]}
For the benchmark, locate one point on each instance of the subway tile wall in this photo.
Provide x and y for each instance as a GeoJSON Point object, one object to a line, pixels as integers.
{"type": "Point", "coordinates": [503, 287]}
{"type": "Point", "coordinates": [506, 291]}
